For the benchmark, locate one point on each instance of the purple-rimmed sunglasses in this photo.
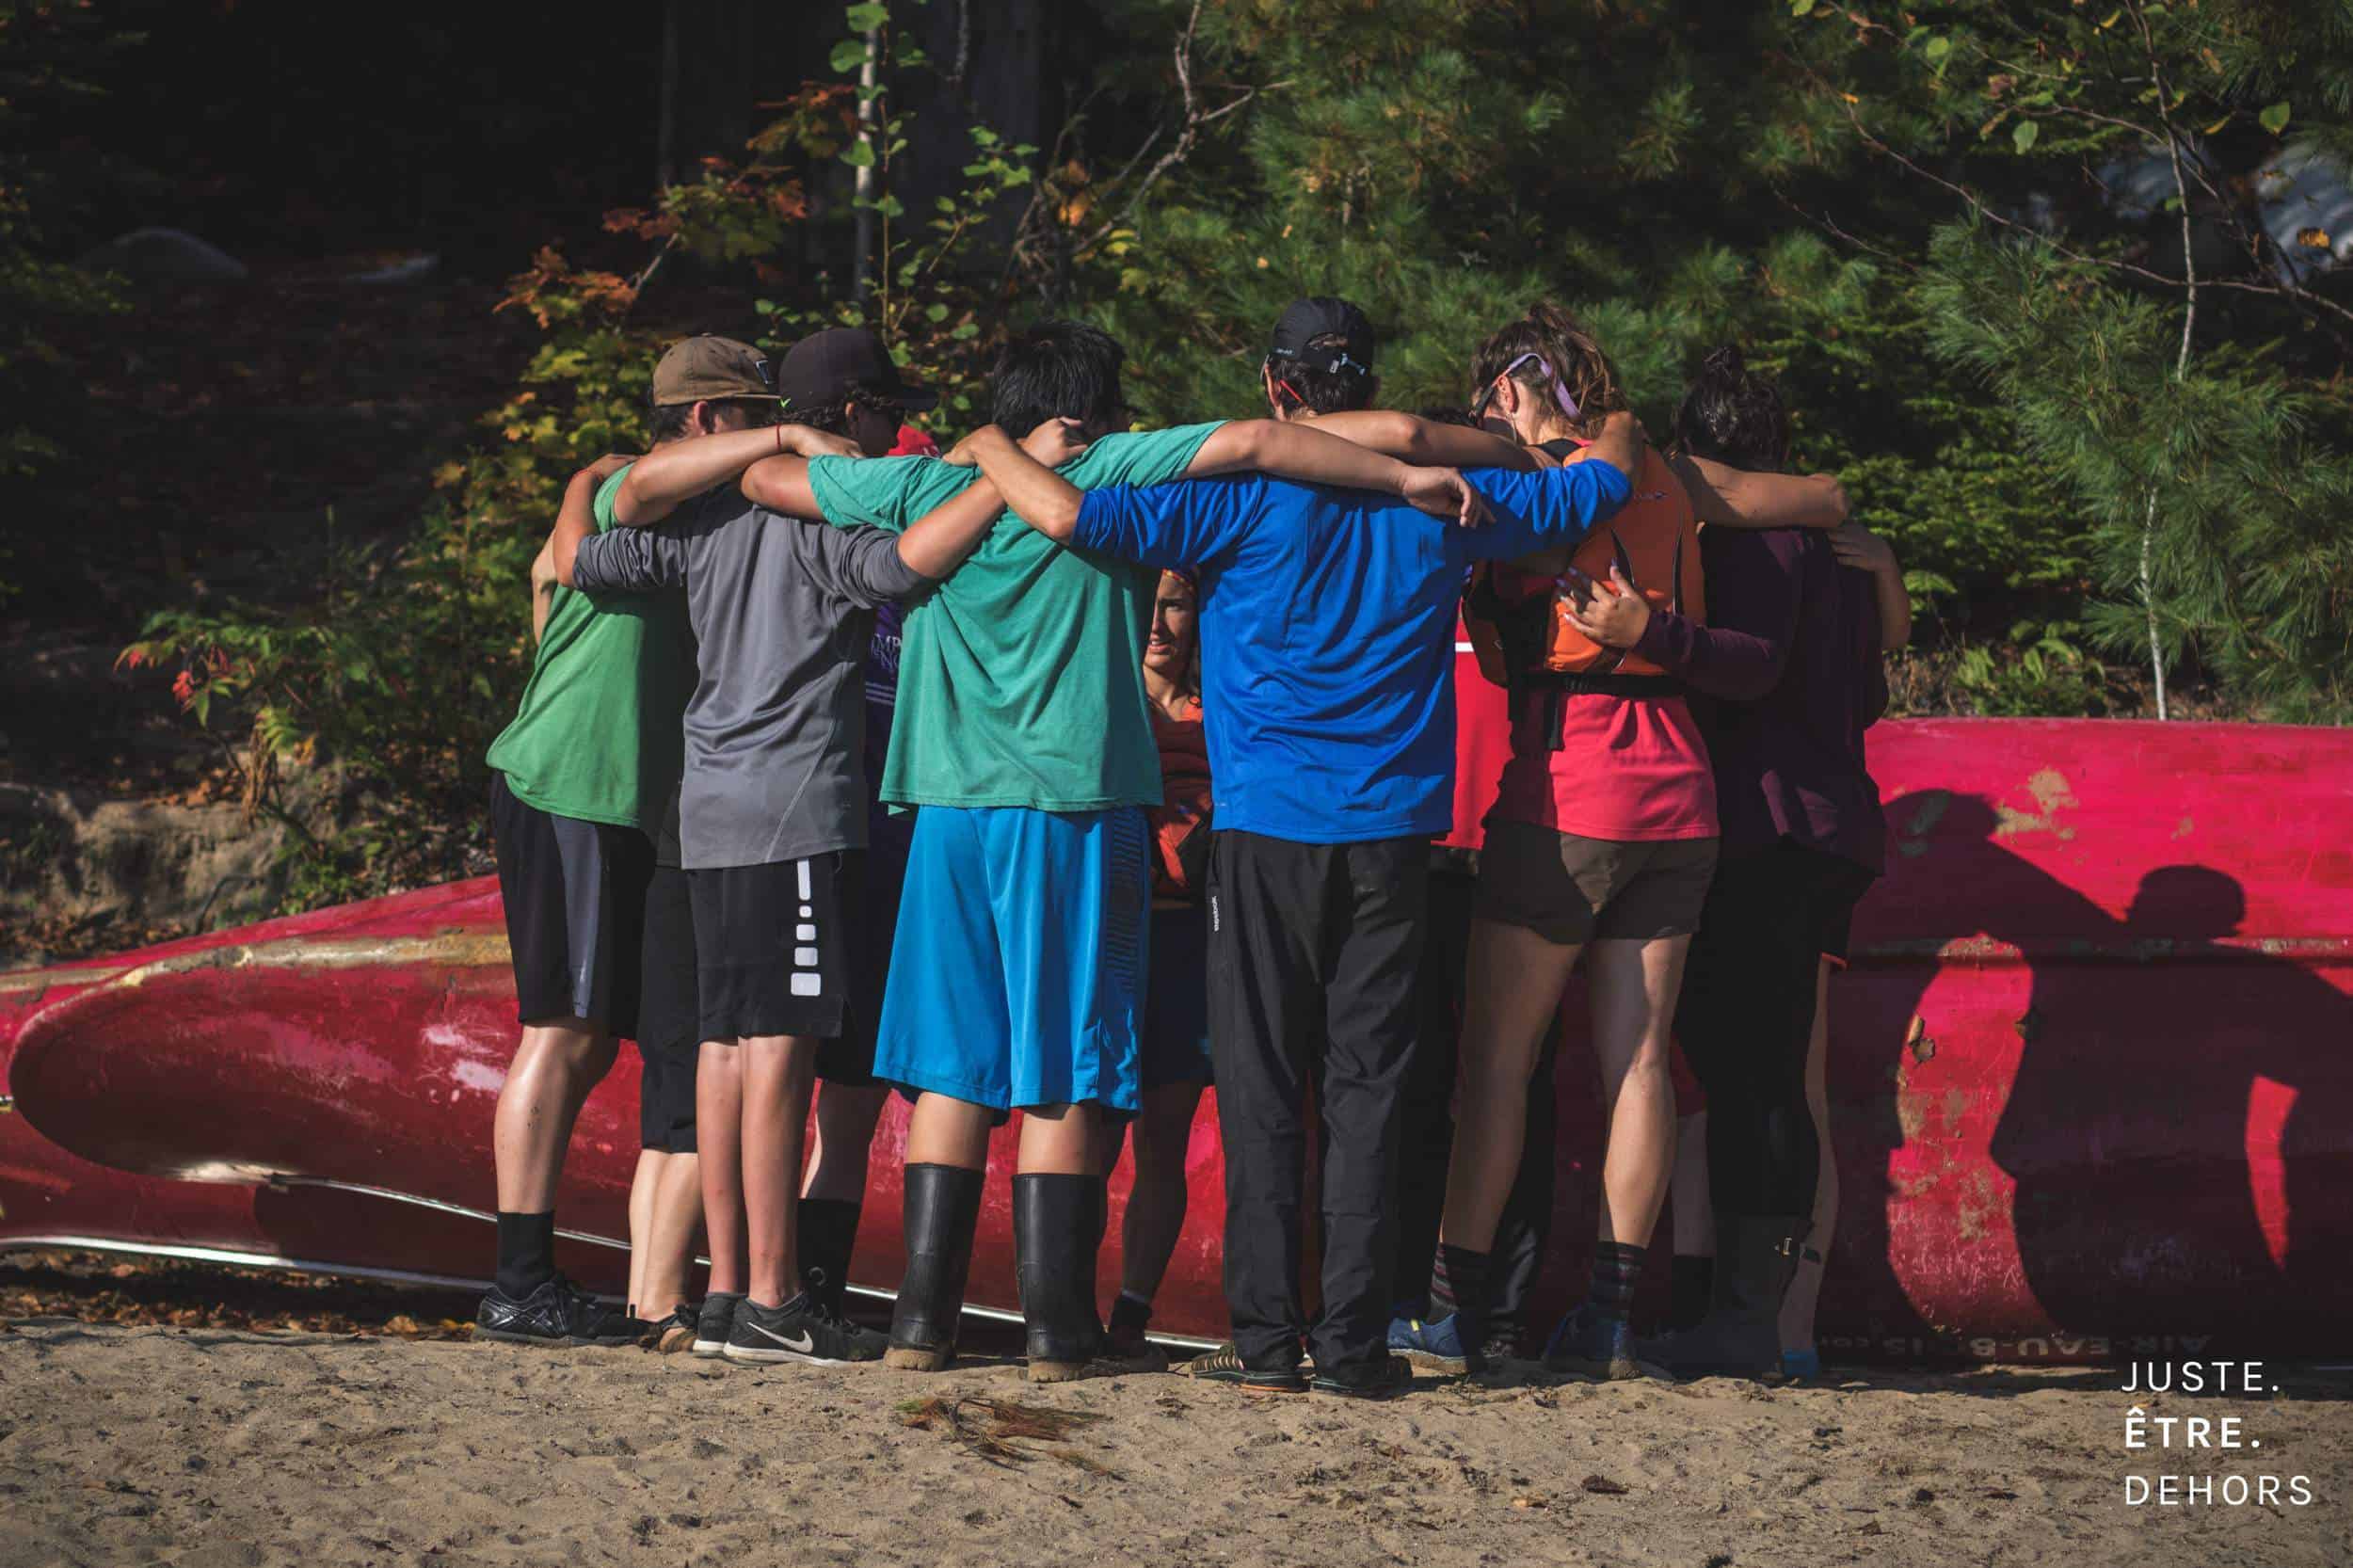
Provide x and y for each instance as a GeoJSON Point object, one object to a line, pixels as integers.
{"type": "Point", "coordinates": [1568, 404]}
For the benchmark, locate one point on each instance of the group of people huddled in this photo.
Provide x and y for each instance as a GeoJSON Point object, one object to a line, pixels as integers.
{"type": "Point", "coordinates": [1171, 792]}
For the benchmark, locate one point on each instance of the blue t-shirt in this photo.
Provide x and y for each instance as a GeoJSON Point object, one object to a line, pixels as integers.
{"type": "Point", "coordinates": [1327, 633]}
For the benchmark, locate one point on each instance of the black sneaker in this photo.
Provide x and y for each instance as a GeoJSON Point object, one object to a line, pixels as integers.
{"type": "Point", "coordinates": [559, 1313]}
{"type": "Point", "coordinates": [714, 1321]}
{"type": "Point", "coordinates": [1225, 1364]}
{"type": "Point", "coordinates": [1374, 1380]}
{"type": "Point", "coordinates": [800, 1330]}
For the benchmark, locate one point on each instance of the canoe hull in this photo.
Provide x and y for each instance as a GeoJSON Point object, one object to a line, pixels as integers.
{"type": "Point", "coordinates": [2091, 1072]}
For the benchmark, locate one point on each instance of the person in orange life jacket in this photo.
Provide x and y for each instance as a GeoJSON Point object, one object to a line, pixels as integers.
{"type": "Point", "coordinates": [1796, 651]}
{"type": "Point", "coordinates": [1175, 1054]}
{"type": "Point", "coordinates": [1603, 836]}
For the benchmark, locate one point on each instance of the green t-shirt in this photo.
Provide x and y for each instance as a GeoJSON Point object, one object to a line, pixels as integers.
{"type": "Point", "coordinates": [598, 734]}
{"type": "Point", "coordinates": [1020, 677]}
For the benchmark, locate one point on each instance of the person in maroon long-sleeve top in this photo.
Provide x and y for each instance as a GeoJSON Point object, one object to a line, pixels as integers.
{"type": "Point", "coordinates": [1790, 658]}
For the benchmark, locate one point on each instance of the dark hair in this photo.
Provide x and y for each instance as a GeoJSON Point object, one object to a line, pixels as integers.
{"type": "Point", "coordinates": [1056, 369]}
{"type": "Point", "coordinates": [1733, 415]}
{"type": "Point", "coordinates": [668, 420]}
{"type": "Point", "coordinates": [833, 415]}
{"type": "Point", "coordinates": [1448, 413]}
{"type": "Point", "coordinates": [1568, 352]}
{"type": "Point", "coordinates": [1325, 392]}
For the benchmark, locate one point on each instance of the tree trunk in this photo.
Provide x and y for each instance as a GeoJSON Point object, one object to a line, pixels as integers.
{"type": "Point", "coordinates": [869, 192]}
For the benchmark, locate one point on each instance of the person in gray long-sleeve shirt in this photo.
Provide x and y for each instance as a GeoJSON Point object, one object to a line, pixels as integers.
{"type": "Point", "coordinates": [782, 611]}
{"type": "Point", "coordinates": [773, 818]}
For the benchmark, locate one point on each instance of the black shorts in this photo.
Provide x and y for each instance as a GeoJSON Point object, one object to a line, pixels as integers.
{"type": "Point", "coordinates": [776, 949]}
{"type": "Point", "coordinates": [848, 1057]}
{"type": "Point", "coordinates": [575, 899]}
{"type": "Point", "coordinates": [1773, 915]}
{"type": "Point", "coordinates": [669, 1036]}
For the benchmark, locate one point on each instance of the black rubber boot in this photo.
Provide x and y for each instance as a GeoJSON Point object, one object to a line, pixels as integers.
{"type": "Point", "coordinates": [1740, 1337]}
{"type": "Point", "coordinates": [943, 1208]}
{"type": "Point", "coordinates": [828, 1234]}
{"type": "Point", "coordinates": [1057, 1229]}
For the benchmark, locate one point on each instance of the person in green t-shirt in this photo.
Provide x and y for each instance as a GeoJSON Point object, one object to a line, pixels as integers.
{"type": "Point", "coordinates": [1023, 737]}
{"type": "Point", "coordinates": [584, 816]}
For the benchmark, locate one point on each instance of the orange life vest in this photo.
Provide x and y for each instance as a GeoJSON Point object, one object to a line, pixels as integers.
{"type": "Point", "coordinates": [1653, 541]}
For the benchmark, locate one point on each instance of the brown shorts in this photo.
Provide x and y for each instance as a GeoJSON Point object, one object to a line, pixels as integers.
{"type": "Point", "coordinates": [1571, 891]}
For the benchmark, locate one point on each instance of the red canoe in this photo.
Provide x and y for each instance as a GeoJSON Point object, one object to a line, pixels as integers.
{"type": "Point", "coordinates": [2092, 1072]}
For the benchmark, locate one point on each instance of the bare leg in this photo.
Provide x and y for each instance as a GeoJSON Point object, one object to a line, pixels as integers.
{"type": "Point", "coordinates": [946, 1132]}
{"type": "Point", "coordinates": [555, 1067]}
{"type": "Point", "coordinates": [719, 1135]}
{"type": "Point", "coordinates": [643, 1183]}
{"type": "Point", "coordinates": [667, 1243]}
{"type": "Point", "coordinates": [1694, 1215]}
{"type": "Point", "coordinates": [1635, 985]}
{"type": "Point", "coordinates": [1806, 1288]}
{"type": "Point", "coordinates": [1061, 1140]}
{"type": "Point", "coordinates": [1156, 1200]}
{"type": "Point", "coordinates": [1511, 990]}
{"type": "Point", "coordinates": [846, 1115]}
{"type": "Point", "coordinates": [780, 1070]}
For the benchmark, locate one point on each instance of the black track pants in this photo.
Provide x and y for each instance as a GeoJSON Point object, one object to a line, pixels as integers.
{"type": "Point", "coordinates": [1313, 953]}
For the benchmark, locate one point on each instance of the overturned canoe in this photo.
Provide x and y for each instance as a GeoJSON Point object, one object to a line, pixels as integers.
{"type": "Point", "coordinates": [2092, 1072]}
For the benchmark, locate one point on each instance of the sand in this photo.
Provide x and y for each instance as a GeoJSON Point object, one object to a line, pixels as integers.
{"type": "Point", "coordinates": [205, 1448]}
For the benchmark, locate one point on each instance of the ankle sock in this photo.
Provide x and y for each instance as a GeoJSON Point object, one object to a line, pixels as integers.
{"type": "Point", "coordinates": [1693, 1282]}
{"type": "Point", "coordinates": [1467, 1279]}
{"type": "Point", "coordinates": [526, 1252]}
{"type": "Point", "coordinates": [1130, 1311]}
{"type": "Point", "coordinates": [1617, 1270]}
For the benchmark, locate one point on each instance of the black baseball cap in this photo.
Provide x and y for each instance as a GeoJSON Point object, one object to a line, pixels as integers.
{"type": "Point", "coordinates": [1305, 320]}
{"type": "Point", "coordinates": [825, 365]}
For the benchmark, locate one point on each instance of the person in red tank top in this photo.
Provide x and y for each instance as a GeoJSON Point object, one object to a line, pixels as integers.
{"type": "Point", "coordinates": [1176, 1044]}
{"type": "Point", "coordinates": [1603, 836]}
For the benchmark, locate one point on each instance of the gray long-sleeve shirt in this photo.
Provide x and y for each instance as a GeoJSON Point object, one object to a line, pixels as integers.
{"type": "Point", "coordinates": [782, 611]}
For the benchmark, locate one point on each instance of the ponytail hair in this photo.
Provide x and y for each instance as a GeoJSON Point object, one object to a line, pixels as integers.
{"type": "Point", "coordinates": [1733, 415]}
{"type": "Point", "coordinates": [1568, 369]}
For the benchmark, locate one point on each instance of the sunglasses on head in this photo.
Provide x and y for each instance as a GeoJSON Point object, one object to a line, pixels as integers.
{"type": "Point", "coordinates": [1568, 404]}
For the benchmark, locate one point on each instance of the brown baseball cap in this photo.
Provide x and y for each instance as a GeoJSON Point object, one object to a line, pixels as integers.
{"type": "Point", "coordinates": [710, 368]}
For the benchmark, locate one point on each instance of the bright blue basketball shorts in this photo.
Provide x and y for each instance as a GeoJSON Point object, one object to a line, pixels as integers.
{"type": "Point", "coordinates": [1016, 977]}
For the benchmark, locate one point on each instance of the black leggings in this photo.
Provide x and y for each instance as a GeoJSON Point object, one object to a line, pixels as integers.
{"type": "Point", "coordinates": [1747, 1015]}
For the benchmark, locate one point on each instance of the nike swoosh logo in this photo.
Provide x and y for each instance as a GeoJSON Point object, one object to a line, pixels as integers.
{"type": "Point", "coordinates": [805, 1344]}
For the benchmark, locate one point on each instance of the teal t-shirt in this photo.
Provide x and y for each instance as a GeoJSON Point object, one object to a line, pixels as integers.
{"type": "Point", "coordinates": [599, 732]}
{"type": "Point", "coordinates": [1021, 675]}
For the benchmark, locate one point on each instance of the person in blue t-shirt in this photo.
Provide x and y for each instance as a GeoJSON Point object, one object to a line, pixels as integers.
{"type": "Point", "coordinates": [1327, 621]}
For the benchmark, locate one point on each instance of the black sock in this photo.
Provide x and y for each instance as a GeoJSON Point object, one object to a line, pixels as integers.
{"type": "Point", "coordinates": [1693, 1282]}
{"type": "Point", "coordinates": [1466, 1276]}
{"type": "Point", "coordinates": [526, 1253]}
{"type": "Point", "coordinates": [828, 1234]}
{"type": "Point", "coordinates": [1617, 1269]}
{"type": "Point", "coordinates": [1130, 1311]}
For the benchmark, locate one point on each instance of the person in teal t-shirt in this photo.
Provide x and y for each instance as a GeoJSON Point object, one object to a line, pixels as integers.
{"type": "Point", "coordinates": [1023, 739]}
{"type": "Point", "coordinates": [584, 783]}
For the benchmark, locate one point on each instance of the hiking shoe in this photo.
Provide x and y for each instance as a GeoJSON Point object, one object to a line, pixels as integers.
{"type": "Point", "coordinates": [800, 1330]}
{"type": "Point", "coordinates": [1225, 1365]}
{"type": "Point", "coordinates": [1375, 1380]}
{"type": "Point", "coordinates": [1503, 1343]}
{"type": "Point", "coordinates": [1435, 1347]}
{"type": "Point", "coordinates": [677, 1331]}
{"type": "Point", "coordinates": [1125, 1347]}
{"type": "Point", "coordinates": [1589, 1344]}
{"type": "Point", "coordinates": [559, 1313]}
{"type": "Point", "coordinates": [713, 1321]}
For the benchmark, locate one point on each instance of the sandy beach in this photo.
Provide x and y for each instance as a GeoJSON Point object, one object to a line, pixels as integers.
{"type": "Point", "coordinates": [209, 1448]}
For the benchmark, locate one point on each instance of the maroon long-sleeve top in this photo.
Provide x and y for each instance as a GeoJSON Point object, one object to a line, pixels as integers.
{"type": "Point", "coordinates": [1787, 666]}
